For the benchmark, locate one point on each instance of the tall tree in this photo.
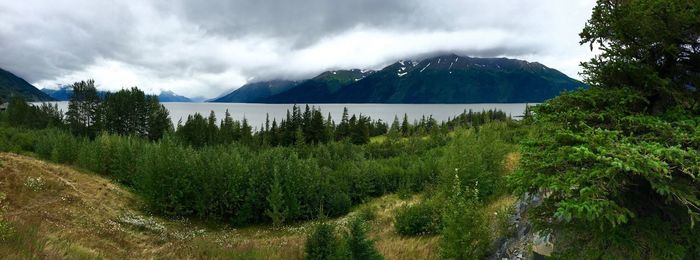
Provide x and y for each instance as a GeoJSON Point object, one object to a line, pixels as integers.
{"type": "Point", "coordinates": [84, 108]}
{"type": "Point", "coordinates": [649, 45]}
{"type": "Point", "coordinates": [359, 245]}
{"type": "Point", "coordinates": [405, 126]}
{"type": "Point", "coordinates": [277, 210]}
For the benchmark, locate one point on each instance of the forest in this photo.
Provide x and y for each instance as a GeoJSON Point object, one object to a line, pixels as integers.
{"type": "Point", "coordinates": [615, 165]}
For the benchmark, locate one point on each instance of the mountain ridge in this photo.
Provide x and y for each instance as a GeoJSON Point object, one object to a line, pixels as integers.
{"type": "Point", "coordinates": [440, 79]}
{"type": "Point", "coordinates": [11, 85]}
{"type": "Point", "coordinates": [64, 93]}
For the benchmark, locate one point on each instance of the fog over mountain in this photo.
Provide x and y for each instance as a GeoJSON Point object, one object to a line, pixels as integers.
{"type": "Point", "coordinates": [204, 48]}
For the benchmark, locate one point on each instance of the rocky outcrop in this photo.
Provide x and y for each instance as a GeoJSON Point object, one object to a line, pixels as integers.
{"type": "Point", "coordinates": [526, 244]}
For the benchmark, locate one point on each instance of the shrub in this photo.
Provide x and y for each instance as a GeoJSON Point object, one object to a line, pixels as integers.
{"type": "Point", "coordinates": [465, 234]}
{"type": "Point", "coordinates": [358, 244]}
{"type": "Point", "coordinates": [322, 243]}
{"type": "Point", "coordinates": [419, 219]}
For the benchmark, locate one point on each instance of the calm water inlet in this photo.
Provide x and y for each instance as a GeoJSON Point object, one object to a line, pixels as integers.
{"type": "Point", "coordinates": [256, 113]}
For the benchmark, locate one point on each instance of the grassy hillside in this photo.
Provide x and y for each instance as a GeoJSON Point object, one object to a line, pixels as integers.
{"type": "Point", "coordinates": [11, 85]}
{"type": "Point", "coordinates": [61, 212]}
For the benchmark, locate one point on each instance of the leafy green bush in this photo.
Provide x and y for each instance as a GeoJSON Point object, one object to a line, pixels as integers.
{"type": "Point", "coordinates": [418, 219]}
{"type": "Point", "coordinates": [477, 157]}
{"type": "Point", "coordinates": [465, 234]}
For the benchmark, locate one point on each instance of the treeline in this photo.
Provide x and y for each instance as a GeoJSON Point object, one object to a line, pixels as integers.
{"type": "Point", "coordinates": [308, 127]}
{"type": "Point", "coordinates": [237, 183]}
{"type": "Point", "coordinates": [130, 112]}
{"type": "Point", "coordinates": [299, 169]}
{"type": "Point", "coordinates": [125, 112]}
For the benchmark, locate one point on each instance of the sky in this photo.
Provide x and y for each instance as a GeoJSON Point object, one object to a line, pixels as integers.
{"type": "Point", "coordinates": [209, 47]}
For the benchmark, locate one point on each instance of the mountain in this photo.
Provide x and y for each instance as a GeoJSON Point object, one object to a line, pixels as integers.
{"type": "Point", "coordinates": [250, 93]}
{"type": "Point", "coordinates": [11, 85]}
{"type": "Point", "coordinates": [169, 96]}
{"type": "Point", "coordinates": [65, 92]}
{"type": "Point", "coordinates": [441, 79]}
{"type": "Point", "coordinates": [319, 88]}
{"type": "Point", "coordinates": [455, 79]}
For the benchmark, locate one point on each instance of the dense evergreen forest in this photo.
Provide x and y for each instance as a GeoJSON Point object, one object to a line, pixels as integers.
{"type": "Point", "coordinates": [615, 167]}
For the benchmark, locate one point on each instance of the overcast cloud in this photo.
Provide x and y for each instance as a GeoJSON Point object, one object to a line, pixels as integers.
{"type": "Point", "coordinates": [204, 48]}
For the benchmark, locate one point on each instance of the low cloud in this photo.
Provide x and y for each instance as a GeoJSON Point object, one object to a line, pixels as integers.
{"type": "Point", "coordinates": [204, 48]}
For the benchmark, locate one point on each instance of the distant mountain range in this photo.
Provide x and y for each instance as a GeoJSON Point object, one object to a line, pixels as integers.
{"type": "Point", "coordinates": [256, 91]}
{"type": "Point", "coordinates": [65, 92]}
{"type": "Point", "coordinates": [11, 85]}
{"type": "Point", "coordinates": [441, 79]}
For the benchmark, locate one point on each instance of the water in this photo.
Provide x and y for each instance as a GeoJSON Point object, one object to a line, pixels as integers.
{"type": "Point", "coordinates": [255, 113]}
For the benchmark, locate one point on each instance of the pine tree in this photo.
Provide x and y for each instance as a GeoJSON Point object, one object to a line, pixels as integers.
{"type": "Point", "coordinates": [277, 210]}
{"type": "Point", "coordinates": [405, 127]}
{"type": "Point", "coordinates": [322, 244]}
{"type": "Point", "coordinates": [343, 130]}
{"type": "Point", "coordinates": [359, 245]}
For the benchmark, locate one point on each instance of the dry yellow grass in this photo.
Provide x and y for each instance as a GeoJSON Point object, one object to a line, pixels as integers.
{"type": "Point", "coordinates": [511, 162]}
{"type": "Point", "coordinates": [82, 215]}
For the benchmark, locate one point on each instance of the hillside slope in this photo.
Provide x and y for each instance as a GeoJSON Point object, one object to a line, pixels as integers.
{"type": "Point", "coordinates": [64, 94]}
{"type": "Point", "coordinates": [457, 79]}
{"type": "Point", "coordinates": [59, 212]}
{"type": "Point", "coordinates": [319, 88]}
{"type": "Point", "coordinates": [11, 85]}
{"type": "Point", "coordinates": [254, 92]}
{"type": "Point", "coordinates": [441, 79]}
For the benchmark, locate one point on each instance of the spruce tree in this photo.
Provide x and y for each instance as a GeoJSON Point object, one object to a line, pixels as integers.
{"type": "Point", "coordinates": [405, 127]}
{"type": "Point", "coordinates": [359, 245]}
{"type": "Point", "coordinates": [322, 243]}
{"type": "Point", "coordinates": [277, 210]}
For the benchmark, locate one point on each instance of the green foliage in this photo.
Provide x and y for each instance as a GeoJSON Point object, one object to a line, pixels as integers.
{"type": "Point", "coordinates": [236, 183]}
{"type": "Point", "coordinates": [649, 45]}
{"type": "Point", "coordinates": [477, 157]}
{"type": "Point", "coordinates": [366, 213]}
{"type": "Point", "coordinates": [465, 233]}
{"type": "Point", "coordinates": [132, 112]}
{"type": "Point", "coordinates": [22, 114]}
{"type": "Point", "coordinates": [618, 164]}
{"type": "Point", "coordinates": [358, 244]}
{"type": "Point", "coordinates": [277, 211]}
{"type": "Point", "coordinates": [419, 219]}
{"type": "Point", "coordinates": [83, 116]}
{"type": "Point", "coordinates": [608, 167]}
{"type": "Point", "coordinates": [322, 243]}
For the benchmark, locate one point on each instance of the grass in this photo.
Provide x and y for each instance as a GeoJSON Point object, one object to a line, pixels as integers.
{"type": "Point", "coordinates": [62, 212]}
{"type": "Point", "coordinates": [58, 212]}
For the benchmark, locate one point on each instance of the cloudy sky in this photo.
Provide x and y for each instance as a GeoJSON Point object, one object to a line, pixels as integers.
{"type": "Point", "coordinates": [204, 48]}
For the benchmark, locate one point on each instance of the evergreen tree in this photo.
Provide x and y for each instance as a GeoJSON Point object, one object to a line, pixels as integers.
{"type": "Point", "coordinates": [322, 244]}
{"type": "Point", "coordinates": [277, 210]}
{"type": "Point", "coordinates": [405, 127]}
{"type": "Point", "coordinates": [649, 45]}
{"type": "Point", "coordinates": [212, 130]}
{"type": "Point", "coordinates": [359, 245]}
{"type": "Point", "coordinates": [343, 130]}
